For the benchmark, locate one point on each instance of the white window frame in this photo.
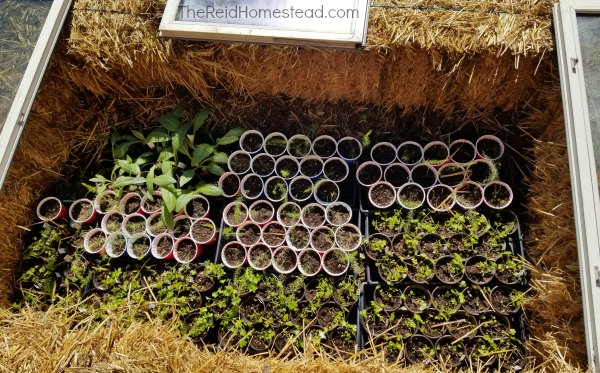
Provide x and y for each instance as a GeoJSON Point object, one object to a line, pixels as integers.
{"type": "Point", "coordinates": [586, 198]}
{"type": "Point", "coordinates": [171, 28]}
{"type": "Point", "coordinates": [25, 95]}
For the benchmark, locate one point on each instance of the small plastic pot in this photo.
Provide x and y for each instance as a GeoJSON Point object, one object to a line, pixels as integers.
{"type": "Point", "coordinates": [109, 227]}
{"type": "Point", "coordinates": [131, 203]}
{"type": "Point", "coordinates": [198, 207]}
{"type": "Point", "coordinates": [489, 147]}
{"type": "Point", "coordinates": [239, 162]}
{"type": "Point", "coordinates": [162, 246]}
{"type": "Point", "coordinates": [425, 175]}
{"type": "Point", "coordinates": [390, 302]}
{"type": "Point", "coordinates": [335, 262]}
{"type": "Point", "coordinates": [416, 269]}
{"type": "Point", "coordinates": [476, 301]}
{"type": "Point", "coordinates": [440, 293]}
{"type": "Point", "coordinates": [94, 241]}
{"type": "Point", "coordinates": [500, 297]}
{"type": "Point", "coordinates": [336, 169]}
{"type": "Point", "coordinates": [452, 174]}
{"type": "Point", "coordinates": [275, 189]}
{"type": "Point", "coordinates": [252, 141]}
{"type": "Point", "coordinates": [326, 192]}
{"type": "Point", "coordinates": [311, 167]}
{"type": "Point", "coordinates": [229, 183]}
{"type": "Point", "coordinates": [448, 355]}
{"type": "Point", "coordinates": [373, 239]}
{"type": "Point", "coordinates": [275, 144]}
{"type": "Point", "coordinates": [482, 171]}
{"type": "Point", "coordinates": [203, 232]}
{"type": "Point", "coordinates": [299, 146]}
{"type": "Point", "coordinates": [480, 270]}
{"type": "Point", "coordinates": [436, 153]}
{"type": "Point", "coordinates": [82, 211]}
{"type": "Point", "coordinates": [324, 146]}
{"type": "Point", "coordinates": [462, 151]}
{"type": "Point", "coordinates": [186, 250]}
{"type": "Point", "coordinates": [469, 195]}
{"type": "Point", "coordinates": [51, 209]}
{"type": "Point", "coordinates": [234, 255]}
{"type": "Point", "coordinates": [136, 238]}
{"type": "Point", "coordinates": [309, 262]}
{"type": "Point", "coordinates": [411, 196]}
{"type": "Point", "coordinates": [441, 198]}
{"type": "Point", "coordinates": [423, 299]}
{"type": "Point", "coordinates": [102, 207]}
{"type": "Point", "coordinates": [285, 260]}
{"type": "Point", "coordinates": [130, 231]}
{"type": "Point", "coordinates": [369, 173]}
{"type": "Point", "coordinates": [149, 210]}
{"type": "Point", "coordinates": [263, 165]}
{"type": "Point", "coordinates": [248, 233]}
{"type": "Point", "coordinates": [477, 351]}
{"type": "Point", "coordinates": [273, 234]}
{"type": "Point", "coordinates": [181, 227]}
{"type": "Point", "coordinates": [252, 186]}
{"type": "Point", "coordinates": [462, 325]}
{"type": "Point", "coordinates": [261, 212]}
{"type": "Point", "coordinates": [298, 237]}
{"type": "Point", "coordinates": [497, 195]}
{"type": "Point", "coordinates": [288, 214]}
{"type": "Point", "coordinates": [155, 225]}
{"type": "Point", "coordinates": [417, 350]}
{"type": "Point", "coordinates": [287, 167]}
{"type": "Point", "coordinates": [382, 195]}
{"type": "Point", "coordinates": [258, 255]}
{"type": "Point", "coordinates": [301, 188]}
{"type": "Point", "coordinates": [338, 213]}
{"type": "Point", "coordinates": [383, 153]}
{"type": "Point", "coordinates": [409, 153]}
{"type": "Point", "coordinates": [397, 174]}
{"type": "Point", "coordinates": [116, 245]}
{"type": "Point", "coordinates": [443, 272]}
{"type": "Point", "coordinates": [507, 276]}
{"type": "Point", "coordinates": [349, 149]}
{"type": "Point", "coordinates": [313, 215]}
{"type": "Point", "coordinates": [235, 213]}
{"type": "Point", "coordinates": [322, 239]}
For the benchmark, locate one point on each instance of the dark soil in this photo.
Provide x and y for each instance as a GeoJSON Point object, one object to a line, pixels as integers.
{"type": "Point", "coordinates": [262, 212]}
{"type": "Point", "coordinates": [252, 142]}
{"type": "Point", "coordinates": [475, 301]}
{"type": "Point", "coordinates": [141, 247]}
{"type": "Point", "coordinates": [340, 344]}
{"type": "Point", "coordinates": [369, 174]}
{"type": "Point", "coordinates": [326, 314]}
{"type": "Point", "coordinates": [336, 262]}
{"type": "Point", "coordinates": [136, 224]}
{"type": "Point", "coordinates": [290, 215]}
{"type": "Point", "coordinates": [396, 175]}
{"type": "Point", "coordinates": [252, 186]}
{"type": "Point", "coordinates": [310, 261]}
{"type": "Point", "coordinates": [440, 197]}
{"type": "Point", "coordinates": [203, 283]}
{"type": "Point", "coordinates": [203, 230]}
{"type": "Point", "coordinates": [186, 250]}
{"type": "Point", "coordinates": [327, 191]}
{"type": "Point", "coordinates": [275, 145]}
{"type": "Point", "coordinates": [197, 208]}
{"type": "Point", "coordinates": [276, 189]}
{"type": "Point", "coordinates": [382, 195]}
{"type": "Point", "coordinates": [489, 148]}
{"type": "Point", "coordinates": [445, 300]}
{"type": "Point", "coordinates": [469, 195]}
{"type": "Point", "coordinates": [240, 163]}
{"type": "Point", "coordinates": [251, 309]}
{"type": "Point", "coordinates": [260, 256]}
{"type": "Point", "coordinates": [82, 211]}
{"type": "Point", "coordinates": [299, 237]}
{"type": "Point", "coordinates": [435, 154]}
{"type": "Point", "coordinates": [164, 246]}
{"type": "Point", "coordinates": [299, 147]}
{"type": "Point", "coordinates": [480, 172]}
{"type": "Point", "coordinates": [314, 217]}
{"type": "Point", "coordinates": [235, 255]}
{"type": "Point", "coordinates": [287, 168]}
{"type": "Point", "coordinates": [432, 246]}
{"type": "Point", "coordinates": [417, 350]}
{"type": "Point", "coordinates": [411, 195]}
{"type": "Point", "coordinates": [335, 169]}
{"type": "Point", "coordinates": [460, 324]}
{"type": "Point", "coordinates": [495, 327]}
{"type": "Point", "coordinates": [417, 299]}
{"type": "Point", "coordinates": [230, 185]}
{"type": "Point", "coordinates": [400, 248]}
{"type": "Point", "coordinates": [349, 148]}
{"type": "Point", "coordinates": [497, 195]}
{"type": "Point", "coordinates": [388, 298]}
{"type": "Point", "coordinates": [443, 272]}
{"type": "Point", "coordinates": [501, 301]}
{"type": "Point", "coordinates": [285, 259]}
{"type": "Point", "coordinates": [338, 214]}
{"type": "Point", "coordinates": [301, 189]}
{"type": "Point", "coordinates": [97, 241]}
{"type": "Point", "coordinates": [347, 238]}
{"type": "Point", "coordinates": [324, 147]}
{"type": "Point", "coordinates": [409, 153]}
{"type": "Point", "coordinates": [113, 223]}
{"type": "Point", "coordinates": [452, 175]}
{"type": "Point", "coordinates": [479, 270]}
{"type": "Point", "coordinates": [263, 165]}
{"type": "Point", "coordinates": [119, 245]}
{"type": "Point", "coordinates": [132, 205]}
{"type": "Point", "coordinates": [274, 235]}
{"type": "Point", "coordinates": [449, 357]}
{"type": "Point", "coordinates": [423, 175]}
{"type": "Point", "coordinates": [249, 234]}
{"type": "Point", "coordinates": [153, 206]}
{"type": "Point", "coordinates": [311, 167]}
{"type": "Point", "coordinates": [108, 202]}
{"type": "Point", "coordinates": [383, 154]}
{"type": "Point", "coordinates": [432, 326]}
{"type": "Point", "coordinates": [462, 152]}
{"type": "Point", "coordinates": [182, 228]}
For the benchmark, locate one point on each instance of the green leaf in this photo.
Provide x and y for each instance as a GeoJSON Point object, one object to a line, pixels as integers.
{"type": "Point", "coordinates": [186, 177]}
{"type": "Point", "coordinates": [123, 181]}
{"type": "Point", "coordinates": [201, 153]}
{"type": "Point", "coordinates": [99, 179]}
{"type": "Point", "coordinates": [220, 157]}
{"type": "Point", "coordinates": [179, 138]}
{"type": "Point", "coordinates": [231, 136]}
{"type": "Point", "coordinates": [182, 201]}
{"type": "Point", "coordinates": [158, 135]}
{"type": "Point", "coordinates": [120, 150]}
{"type": "Point", "coordinates": [185, 149]}
{"type": "Point", "coordinates": [130, 168]}
{"type": "Point", "coordinates": [150, 180]}
{"type": "Point", "coordinates": [199, 119]}
{"type": "Point", "coordinates": [167, 216]}
{"type": "Point", "coordinates": [165, 155]}
{"type": "Point", "coordinates": [209, 190]}
{"type": "Point", "coordinates": [164, 180]}
{"type": "Point", "coordinates": [139, 135]}
{"type": "Point", "coordinates": [215, 169]}
{"type": "Point", "coordinates": [169, 122]}
{"type": "Point", "coordinates": [145, 158]}
{"type": "Point", "coordinates": [167, 167]}
{"type": "Point", "coordinates": [169, 198]}
{"type": "Point", "coordinates": [179, 109]}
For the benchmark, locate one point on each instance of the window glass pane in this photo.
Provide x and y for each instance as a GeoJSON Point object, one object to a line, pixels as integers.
{"type": "Point", "coordinates": [20, 24]}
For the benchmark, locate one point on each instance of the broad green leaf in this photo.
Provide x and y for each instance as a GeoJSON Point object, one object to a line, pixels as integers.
{"type": "Point", "coordinates": [183, 200]}
{"type": "Point", "coordinates": [179, 109]}
{"type": "Point", "coordinates": [120, 150]}
{"type": "Point", "coordinates": [231, 136]}
{"type": "Point", "coordinates": [209, 190]}
{"type": "Point", "coordinates": [185, 149]}
{"type": "Point", "coordinates": [150, 180]}
{"type": "Point", "coordinates": [169, 199]}
{"type": "Point", "coordinates": [199, 119]}
{"type": "Point", "coordinates": [169, 122]}
{"type": "Point", "coordinates": [186, 177]}
{"type": "Point", "coordinates": [220, 157]}
{"type": "Point", "coordinates": [139, 135]}
{"type": "Point", "coordinates": [123, 181]}
{"type": "Point", "coordinates": [167, 216]}
{"type": "Point", "coordinates": [167, 167]}
{"type": "Point", "coordinates": [130, 168]}
{"type": "Point", "coordinates": [201, 153]}
{"type": "Point", "coordinates": [114, 137]}
{"type": "Point", "coordinates": [99, 179]}
{"type": "Point", "coordinates": [158, 135]}
{"type": "Point", "coordinates": [145, 158]}
{"type": "Point", "coordinates": [179, 138]}
{"type": "Point", "coordinates": [165, 155]}
{"type": "Point", "coordinates": [164, 180]}
{"type": "Point", "coordinates": [215, 169]}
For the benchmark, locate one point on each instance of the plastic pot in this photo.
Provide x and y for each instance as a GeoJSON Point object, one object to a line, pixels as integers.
{"type": "Point", "coordinates": [494, 326]}
{"type": "Point", "coordinates": [273, 234]}
{"type": "Point", "coordinates": [288, 214]}
{"type": "Point", "coordinates": [482, 171]}
{"type": "Point", "coordinates": [251, 141]}
{"type": "Point", "coordinates": [324, 313]}
{"type": "Point", "coordinates": [275, 144]}
{"type": "Point", "coordinates": [417, 298]}
{"type": "Point", "coordinates": [382, 195]}
{"type": "Point", "coordinates": [301, 188]}
{"type": "Point", "coordinates": [480, 270]}
{"type": "Point", "coordinates": [116, 245]}
{"type": "Point", "coordinates": [469, 195]}
{"type": "Point", "coordinates": [462, 151]}
{"type": "Point", "coordinates": [419, 350]}
{"type": "Point", "coordinates": [326, 192]}
{"type": "Point", "coordinates": [285, 260]}
{"type": "Point", "coordinates": [497, 195]}
{"type": "Point", "coordinates": [260, 257]}
{"type": "Point", "coordinates": [436, 153]}
{"type": "Point", "coordinates": [143, 240]}
{"type": "Point", "coordinates": [248, 233]}
{"type": "Point", "coordinates": [441, 198]}
{"type": "Point", "coordinates": [275, 189]}
{"type": "Point", "coordinates": [349, 149]}
{"type": "Point", "coordinates": [112, 222]}
{"type": "Point", "coordinates": [309, 262]}
{"type": "Point", "coordinates": [397, 174]}
{"type": "Point", "coordinates": [450, 353]}
{"type": "Point", "coordinates": [324, 146]}
{"type": "Point", "coordinates": [106, 202]}
{"type": "Point", "coordinates": [94, 241]}
{"type": "Point", "coordinates": [154, 207]}
{"type": "Point", "coordinates": [476, 302]}
{"type": "Point", "coordinates": [261, 212]}
{"type": "Point", "coordinates": [133, 224]}
{"type": "Point", "coordinates": [409, 153]}
{"type": "Point", "coordinates": [299, 146]}
{"type": "Point", "coordinates": [186, 250]}
{"type": "Point", "coordinates": [287, 167]}
{"type": "Point", "coordinates": [239, 162]}
{"type": "Point", "coordinates": [234, 255]}
{"type": "Point", "coordinates": [372, 243]}
{"type": "Point", "coordinates": [400, 249]}
{"type": "Point", "coordinates": [478, 349]}
{"type": "Point", "coordinates": [369, 173]}
{"type": "Point", "coordinates": [131, 203]}
{"type": "Point", "coordinates": [203, 232]}
{"type": "Point", "coordinates": [338, 213]}
{"type": "Point", "coordinates": [229, 183]}
{"type": "Point", "coordinates": [235, 213]}
{"type": "Point", "coordinates": [387, 297]}
{"type": "Point", "coordinates": [432, 245]}
{"type": "Point", "coordinates": [252, 186]}
{"type": "Point", "coordinates": [383, 153]}
{"type": "Point", "coordinates": [298, 237]}
{"type": "Point", "coordinates": [336, 169]}
{"type": "Point", "coordinates": [313, 215]}
{"type": "Point", "coordinates": [421, 269]}
{"type": "Point", "coordinates": [162, 246]}
{"type": "Point", "coordinates": [444, 293]}
{"type": "Point", "coordinates": [82, 211]}
{"type": "Point", "coordinates": [263, 165]}
{"type": "Point", "coordinates": [462, 324]}
{"type": "Point", "coordinates": [322, 239]}
{"type": "Point", "coordinates": [181, 227]}
{"type": "Point", "coordinates": [411, 196]}
{"type": "Point", "coordinates": [489, 147]}
{"type": "Point", "coordinates": [452, 174]}
{"type": "Point", "coordinates": [446, 270]}
{"type": "Point", "coordinates": [311, 167]}
{"type": "Point", "coordinates": [198, 207]}
{"type": "Point", "coordinates": [502, 300]}
{"type": "Point", "coordinates": [508, 275]}
{"type": "Point", "coordinates": [155, 225]}
{"type": "Point", "coordinates": [425, 175]}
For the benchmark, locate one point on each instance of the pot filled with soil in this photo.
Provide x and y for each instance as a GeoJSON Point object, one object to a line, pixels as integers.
{"type": "Point", "coordinates": [436, 153]}
{"type": "Point", "coordinates": [229, 183]}
{"type": "Point", "coordinates": [383, 153]}
{"type": "Point", "coordinates": [403, 249]}
{"type": "Point", "coordinates": [509, 269]}
{"type": "Point", "coordinates": [106, 201]}
{"type": "Point", "coordinates": [449, 269]}
{"type": "Point", "coordinates": [251, 141]}
{"type": "Point", "coordinates": [198, 324]}
{"type": "Point", "coordinates": [298, 237]}
{"type": "Point", "coordinates": [82, 211]}
{"type": "Point", "coordinates": [419, 350]}
{"type": "Point", "coordinates": [382, 195]}
{"type": "Point", "coordinates": [421, 269]}
{"type": "Point", "coordinates": [494, 326]}
{"type": "Point", "coordinates": [450, 353]}
{"type": "Point", "coordinates": [376, 325]}
{"type": "Point", "coordinates": [131, 203]}
{"type": "Point", "coordinates": [397, 174]}
{"type": "Point", "coordinates": [203, 231]}
{"type": "Point", "coordinates": [252, 186]}
{"type": "Point", "coordinates": [461, 325]}
{"type": "Point", "coordinates": [313, 215]}
{"type": "Point", "coordinates": [288, 214]}
{"type": "Point", "coordinates": [505, 221]}
{"type": "Point", "coordinates": [248, 233]}
{"type": "Point", "coordinates": [462, 151]}
{"type": "Point", "coordinates": [432, 245]}
{"type": "Point", "coordinates": [276, 189]}
{"type": "Point", "coordinates": [309, 262]}
{"type": "Point", "coordinates": [475, 300]}
{"type": "Point", "coordinates": [327, 314]}
{"type": "Point", "coordinates": [112, 222]}
{"type": "Point", "coordinates": [432, 324]}
{"type": "Point", "coordinates": [299, 146]}
{"type": "Point", "coordinates": [102, 279]}
{"type": "Point", "coordinates": [116, 245]}
{"type": "Point", "coordinates": [446, 299]}
{"type": "Point", "coordinates": [152, 205]}
{"type": "Point", "coordinates": [348, 237]}
{"type": "Point", "coordinates": [287, 167]}
{"type": "Point", "coordinates": [369, 173]}
{"type": "Point", "coordinates": [261, 212]}
{"type": "Point", "coordinates": [506, 300]}
{"type": "Point", "coordinates": [345, 293]}
{"type": "Point", "coordinates": [482, 171]}
{"type": "Point", "coordinates": [469, 195]}
{"type": "Point", "coordinates": [497, 195]}
{"type": "Point", "coordinates": [409, 153]}
{"type": "Point", "coordinates": [324, 146]}
{"type": "Point", "coordinates": [263, 165]}
{"type": "Point", "coordinates": [480, 270]}
{"type": "Point", "coordinates": [285, 260]}
{"type": "Point", "coordinates": [388, 297]}
{"type": "Point", "coordinates": [198, 207]}
{"type": "Point", "coordinates": [441, 198]}
{"type": "Point", "coordinates": [311, 167]}
{"type": "Point", "coordinates": [155, 225]}
{"type": "Point", "coordinates": [186, 250]}
{"type": "Point", "coordinates": [411, 196]}
{"type": "Point", "coordinates": [342, 342]}
{"type": "Point", "coordinates": [162, 246]}
{"type": "Point", "coordinates": [377, 245]}
{"type": "Point", "coordinates": [452, 174]}
{"type": "Point", "coordinates": [425, 175]}
{"type": "Point", "coordinates": [482, 353]}
{"type": "Point", "coordinates": [134, 224]}
{"type": "Point", "coordinates": [335, 262]}
{"type": "Point", "coordinates": [326, 192]}
{"type": "Point", "coordinates": [233, 255]}
{"type": "Point", "coordinates": [138, 246]}
{"type": "Point", "coordinates": [335, 169]}
{"type": "Point", "coordinates": [275, 144]}
{"type": "Point", "coordinates": [338, 213]}
{"type": "Point", "coordinates": [94, 241]}
{"type": "Point", "coordinates": [391, 269]}
{"type": "Point", "coordinates": [273, 234]}
{"type": "Point", "coordinates": [301, 188]}
{"type": "Point", "coordinates": [259, 257]}
{"type": "Point", "coordinates": [260, 340]}
{"type": "Point", "coordinates": [416, 298]}
{"type": "Point", "coordinates": [349, 149]}
{"type": "Point", "coordinates": [393, 351]}
{"type": "Point", "coordinates": [251, 309]}
{"type": "Point", "coordinates": [181, 227]}
{"type": "Point", "coordinates": [239, 162]}
{"type": "Point", "coordinates": [489, 147]}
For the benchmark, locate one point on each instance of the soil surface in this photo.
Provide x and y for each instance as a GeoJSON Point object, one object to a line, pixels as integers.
{"type": "Point", "coordinates": [462, 153]}
{"type": "Point", "coordinates": [249, 234]}
{"type": "Point", "coordinates": [314, 217]}
{"type": "Point", "coordinates": [347, 238]}
{"type": "Point", "coordinates": [326, 314]}
{"type": "Point", "coordinates": [475, 301]}
{"type": "Point", "coordinates": [136, 224]}
{"type": "Point", "coordinates": [443, 273]}
{"type": "Point", "coordinates": [384, 154]}
{"type": "Point", "coordinates": [416, 300]}
{"type": "Point", "coordinates": [301, 189]}
{"type": "Point", "coordinates": [197, 208]}
{"type": "Point", "coordinates": [276, 189]}
{"type": "Point", "coordinates": [338, 214]}
{"type": "Point", "coordinates": [369, 174]}
{"type": "Point", "coordinates": [299, 147]}
{"type": "Point", "coordinates": [417, 348]}
{"type": "Point", "coordinates": [411, 196]}
{"type": "Point", "coordinates": [164, 246]}
{"type": "Point", "coordinates": [97, 241]}
{"type": "Point", "coordinates": [263, 165]}
{"type": "Point", "coordinates": [324, 147]}
{"type": "Point", "coordinates": [335, 170]}
{"type": "Point", "coordinates": [186, 250]}
{"type": "Point", "coordinates": [388, 298]}
{"type": "Point", "coordinates": [311, 167]}
{"type": "Point", "coordinates": [452, 175]}
{"type": "Point", "coordinates": [153, 206]}
{"type": "Point", "coordinates": [107, 203]}
{"type": "Point", "coordinates": [299, 237]}
{"type": "Point", "coordinates": [382, 195]}
{"type": "Point", "coordinates": [275, 145]}
{"type": "Point", "coordinates": [489, 148]}
{"type": "Point", "coordinates": [290, 215]}
{"type": "Point", "coordinates": [132, 205]}
{"type": "Point", "coordinates": [261, 212]}
{"type": "Point", "coordinates": [435, 154]}
{"type": "Point", "coordinates": [231, 185]}
{"type": "Point", "coordinates": [440, 197]}
{"type": "Point", "coordinates": [348, 149]}
{"type": "Point", "coordinates": [460, 324]}
{"type": "Point", "coordinates": [480, 172]}
{"type": "Point", "coordinates": [113, 223]}
{"type": "Point", "coordinates": [409, 153]}
{"type": "Point", "coordinates": [423, 176]}
{"type": "Point", "coordinates": [235, 255]}
{"type": "Point", "coordinates": [260, 256]}
{"type": "Point", "coordinates": [82, 211]}
{"type": "Point", "coordinates": [479, 271]}
{"type": "Point", "coordinates": [252, 142]}
{"type": "Point", "coordinates": [396, 175]}
{"type": "Point", "coordinates": [336, 262]}
{"type": "Point", "coordinates": [287, 168]}
{"type": "Point", "coordinates": [274, 235]}
{"type": "Point", "coordinates": [203, 283]}
{"type": "Point", "coordinates": [252, 186]}
{"type": "Point", "coordinates": [311, 262]}
{"type": "Point", "coordinates": [285, 259]}
{"type": "Point", "coordinates": [327, 191]}
{"type": "Point", "coordinates": [240, 163]}
{"type": "Point", "coordinates": [141, 247]}
{"type": "Point", "coordinates": [203, 231]}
